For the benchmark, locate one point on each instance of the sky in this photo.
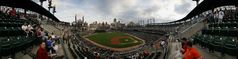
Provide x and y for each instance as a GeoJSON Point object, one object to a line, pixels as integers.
{"type": "Point", "coordinates": [123, 10]}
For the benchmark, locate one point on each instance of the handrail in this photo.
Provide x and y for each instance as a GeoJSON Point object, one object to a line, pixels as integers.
{"type": "Point", "coordinates": [62, 44]}
{"type": "Point", "coordinates": [192, 26]}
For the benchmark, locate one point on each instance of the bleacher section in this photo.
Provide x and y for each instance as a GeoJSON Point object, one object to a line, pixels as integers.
{"type": "Point", "coordinates": [52, 29]}
{"type": "Point", "coordinates": [80, 48]}
{"type": "Point", "coordinates": [12, 38]}
{"type": "Point", "coordinates": [224, 44]}
{"type": "Point", "coordinates": [220, 35]}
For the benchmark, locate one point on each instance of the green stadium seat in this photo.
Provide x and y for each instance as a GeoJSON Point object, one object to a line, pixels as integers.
{"type": "Point", "coordinates": [230, 46]}
{"type": "Point", "coordinates": [218, 44]}
{"type": "Point", "coordinates": [16, 44]}
{"type": "Point", "coordinates": [6, 47]}
{"type": "Point", "coordinates": [12, 31]}
{"type": "Point", "coordinates": [210, 40]}
{"type": "Point", "coordinates": [3, 30]}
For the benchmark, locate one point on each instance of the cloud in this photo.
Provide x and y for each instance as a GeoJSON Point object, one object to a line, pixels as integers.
{"type": "Point", "coordinates": [125, 10]}
{"type": "Point", "coordinates": [182, 8]}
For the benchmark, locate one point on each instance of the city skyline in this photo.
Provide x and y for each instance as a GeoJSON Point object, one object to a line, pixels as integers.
{"type": "Point", "coordinates": [124, 10]}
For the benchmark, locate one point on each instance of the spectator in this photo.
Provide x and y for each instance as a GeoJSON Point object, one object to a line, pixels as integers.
{"type": "Point", "coordinates": [24, 27]}
{"type": "Point", "coordinates": [42, 34]}
{"type": "Point", "coordinates": [30, 28]}
{"type": "Point", "coordinates": [191, 52]}
{"type": "Point", "coordinates": [6, 11]}
{"type": "Point", "coordinates": [55, 47]}
{"type": "Point", "coordinates": [38, 32]}
{"type": "Point", "coordinates": [13, 12]}
{"type": "Point", "coordinates": [97, 57]}
{"type": "Point", "coordinates": [107, 57]}
{"type": "Point", "coordinates": [22, 16]}
{"type": "Point", "coordinates": [66, 36]}
{"type": "Point", "coordinates": [50, 46]}
{"type": "Point", "coordinates": [162, 43]}
{"type": "Point", "coordinates": [1, 9]}
{"type": "Point", "coordinates": [220, 16]}
{"type": "Point", "coordinates": [42, 53]}
{"type": "Point", "coordinates": [39, 35]}
{"type": "Point", "coordinates": [85, 58]}
{"type": "Point", "coordinates": [146, 53]}
{"type": "Point", "coordinates": [45, 36]}
{"type": "Point", "coordinates": [54, 37]}
{"type": "Point", "coordinates": [184, 44]}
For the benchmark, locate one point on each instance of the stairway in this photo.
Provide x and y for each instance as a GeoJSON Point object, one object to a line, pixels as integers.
{"type": "Point", "coordinates": [52, 29]}
{"type": "Point", "coordinates": [193, 29]}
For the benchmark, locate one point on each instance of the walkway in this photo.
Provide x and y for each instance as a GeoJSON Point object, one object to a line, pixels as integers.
{"type": "Point", "coordinates": [216, 55]}
{"type": "Point", "coordinates": [203, 52]}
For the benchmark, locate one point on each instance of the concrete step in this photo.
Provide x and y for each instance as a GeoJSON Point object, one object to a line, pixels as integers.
{"type": "Point", "coordinates": [52, 29]}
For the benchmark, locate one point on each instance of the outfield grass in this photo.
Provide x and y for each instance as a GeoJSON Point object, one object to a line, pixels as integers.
{"type": "Point", "coordinates": [106, 37]}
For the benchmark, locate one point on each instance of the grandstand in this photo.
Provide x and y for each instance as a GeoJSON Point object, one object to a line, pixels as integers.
{"type": "Point", "coordinates": [13, 38]}
{"type": "Point", "coordinates": [220, 35]}
{"type": "Point", "coordinates": [17, 41]}
{"type": "Point", "coordinates": [212, 26]}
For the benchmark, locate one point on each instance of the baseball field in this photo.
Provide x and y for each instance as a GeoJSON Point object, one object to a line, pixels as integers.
{"type": "Point", "coordinates": [115, 39]}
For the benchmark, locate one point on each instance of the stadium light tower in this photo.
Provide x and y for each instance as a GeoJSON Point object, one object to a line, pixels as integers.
{"type": "Point", "coordinates": [50, 4]}
{"type": "Point", "coordinates": [41, 2]}
{"type": "Point", "coordinates": [197, 1]}
{"type": "Point", "coordinates": [54, 11]}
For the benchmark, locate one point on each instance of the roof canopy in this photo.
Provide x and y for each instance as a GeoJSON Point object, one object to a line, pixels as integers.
{"type": "Point", "coordinates": [208, 5]}
{"type": "Point", "coordinates": [29, 5]}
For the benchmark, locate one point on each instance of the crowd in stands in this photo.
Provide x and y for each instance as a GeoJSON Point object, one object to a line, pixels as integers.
{"type": "Point", "coordinates": [189, 51]}
{"type": "Point", "coordinates": [217, 15]}
{"type": "Point", "coordinates": [30, 33]}
{"type": "Point", "coordinates": [219, 34]}
{"type": "Point", "coordinates": [48, 41]}
{"type": "Point", "coordinates": [80, 48]}
{"type": "Point", "coordinates": [185, 50]}
{"type": "Point", "coordinates": [18, 33]}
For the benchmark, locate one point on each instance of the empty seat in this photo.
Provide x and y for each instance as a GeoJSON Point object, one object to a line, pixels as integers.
{"type": "Point", "coordinates": [11, 31]}
{"type": "Point", "coordinates": [10, 24]}
{"type": "Point", "coordinates": [6, 47]}
{"type": "Point", "coordinates": [230, 46]}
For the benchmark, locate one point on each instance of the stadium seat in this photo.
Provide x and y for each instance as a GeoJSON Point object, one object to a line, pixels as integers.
{"type": "Point", "coordinates": [203, 41]}
{"type": "Point", "coordinates": [210, 40]}
{"type": "Point", "coordinates": [11, 31]}
{"type": "Point", "coordinates": [6, 47]}
{"type": "Point", "coordinates": [3, 30]}
{"type": "Point", "coordinates": [230, 46]}
{"type": "Point", "coordinates": [218, 44]}
{"type": "Point", "coordinates": [17, 43]}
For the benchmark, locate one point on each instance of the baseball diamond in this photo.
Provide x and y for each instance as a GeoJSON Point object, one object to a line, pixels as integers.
{"type": "Point", "coordinates": [115, 39]}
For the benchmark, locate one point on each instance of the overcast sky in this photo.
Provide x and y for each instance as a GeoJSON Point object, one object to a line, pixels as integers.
{"type": "Point", "coordinates": [125, 10]}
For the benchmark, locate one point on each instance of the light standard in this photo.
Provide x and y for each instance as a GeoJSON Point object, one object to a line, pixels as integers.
{"type": "Point", "coordinates": [197, 1]}
{"type": "Point", "coordinates": [41, 2]}
{"type": "Point", "coordinates": [54, 9]}
{"type": "Point", "coordinates": [49, 5]}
